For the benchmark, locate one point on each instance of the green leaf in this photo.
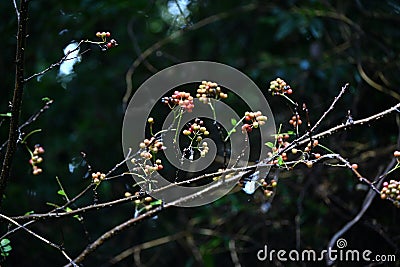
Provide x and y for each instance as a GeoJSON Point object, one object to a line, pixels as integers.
{"type": "Point", "coordinates": [45, 99]}
{"type": "Point", "coordinates": [61, 192]}
{"type": "Point", "coordinates": [157, 202]}
{"type": "Point", "coordinates": [270, 144]}
{"type": "Point", "coordinates": [291, 133]}
{"type": "Point", "coordinates": [8, 114]}
{"type": "Point", "coordinates": [4, 242]}
{"type": "Point", "coordinates": [280, 161]}
{"type": "Point", "coordinates": [6, 249]}
{"type": "Point", "coordinates": [29, 212]}
{"type": "Point", "coordinates": [233, 121]}
{"type": "Point", "coordinates": [68, 209]}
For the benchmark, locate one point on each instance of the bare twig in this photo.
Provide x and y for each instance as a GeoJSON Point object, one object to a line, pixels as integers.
{"type": "Point", "coordinates": [233, 252]}
{"type": "Point", "coordinates": [16, 10]}
{"type": "Point", "coordinates": [365, 205]}
{"type": "Point", "coordinates": [330, 108]}
{"type": "Point", "coordinates": [62, 60]}
{"type": "Point", "coordinates": [17, 98]}
{"type": "Point", "coordinates": [32, 119]}
{"type": "Point", "coordinates": [40, 238]}
{"type": "Point", "coordinates": [136, 249]}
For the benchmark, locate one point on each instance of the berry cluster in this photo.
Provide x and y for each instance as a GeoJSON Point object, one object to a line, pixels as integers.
{"type": "Point", "coordinates": [36, 159]}
{"type": "Point", "coordinates": [204, 149]}
{"type": "Point", "coordinates": [282, 143]}
{"type": "Point", "coordinates": [279, 87]}
{"type": "Point", "coordinates": [268, 187]}
{"type": "Point", "coordinates": [144, 204]}
{"type": "Point", "coordinates": [183, 99]}
{"type": "Point", "coordinates": [208, 90]}
{"type": "Point", "coordinates": [157, 166]}
{"type": "Point", "coordinates": [197, 129]}
{"type": "Point", "coordinates": [295, 120]}
{"type": "Point", "coordinates": [311, 145]}
{"type": "Point", "coordinates": [152, 145]}
{"type": "Point", "coordinates": [253, 120]}
{"type": "Point", "coordinates": [98, 177]}
{"type": "Point", "coordinates": [104, 36]}
{"type": "Point", "coordinates": [391, 190]}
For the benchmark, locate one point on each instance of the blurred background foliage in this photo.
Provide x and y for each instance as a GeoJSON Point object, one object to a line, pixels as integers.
{"type": "Point", "coordinates": [316, 46]}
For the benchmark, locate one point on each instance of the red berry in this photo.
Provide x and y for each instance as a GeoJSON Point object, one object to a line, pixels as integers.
{"type": "Point", "coordinates": [108, 34]}
{"type": "Point", "coordinates": [109, 45]}
{"type": "Point", "coordinates": [289, 92]}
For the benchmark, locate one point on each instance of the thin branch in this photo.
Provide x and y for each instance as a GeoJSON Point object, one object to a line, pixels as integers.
{"type": "Point", "coordinates": [330, 108]}
{"type": "Point", "coordinates": [150, 244]}
{"type": "Point", "coordinates": [16, 10]}
{"type": "Point", "coordinates": [40, 238]}
{"type": "Point", "coordinates": [32, 119]}
{"type": "Point", "coordinates": [366, 204]}
{"type": "Point", "coordinates": [233, 252]}
{"type": "Point", "coordinates": [62, 60]}
{"type": "Point", "coordinates": [17, 98]}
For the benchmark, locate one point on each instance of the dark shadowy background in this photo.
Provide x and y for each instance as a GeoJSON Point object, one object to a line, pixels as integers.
{"type": "Point", "coordinates": [316, 46]}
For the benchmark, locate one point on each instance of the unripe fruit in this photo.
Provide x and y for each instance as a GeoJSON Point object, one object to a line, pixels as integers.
{"type": "Point", "coordinates": [396, 154]}
{"type": "Point", "coordinates": [127, 194]}
{"type": "Point", "coordinates": [309, 164]}
{"type": "Point", "coordinates": [150, 120]}
{"type": "Point", "coordinates": [354, 166]}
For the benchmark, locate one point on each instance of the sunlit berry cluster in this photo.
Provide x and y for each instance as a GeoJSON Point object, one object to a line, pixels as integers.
{"type": "Point", "coordinates": [104, 36]}
{"type": "Point", "coordinates": [36, 159]}
{"type": "Point", "coordinates": [281, 144]}
{"type": "Point", "coordinates": [197, 129]}
{"type": "Point", "coordinates": [183, 99]}
{"type": "Point", "coordinates": [279, 87]}
{"type": "Point", "coordinates": [391, 190]}
{"type": "Point", "coordinates": [150, 168]}
{"type": "Point", "coordinates": [204, 149]}
{"type": "Point", "coordinates": [209, 90]}
{"type": "Point", "coordinates": [150, 145]}
{"type": "Point", "coordinates": [143, 203]}
{"type": "Point", "coordinates": [310, 145]}
{"type": "Point", "coordinates": [268, 187]}
{"type": "Point", "coordinates": [98, 177]}
{"type": "Point", "coordinates": [253, 120]}
{"type": "Point", "coordinates": [295, 120]}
